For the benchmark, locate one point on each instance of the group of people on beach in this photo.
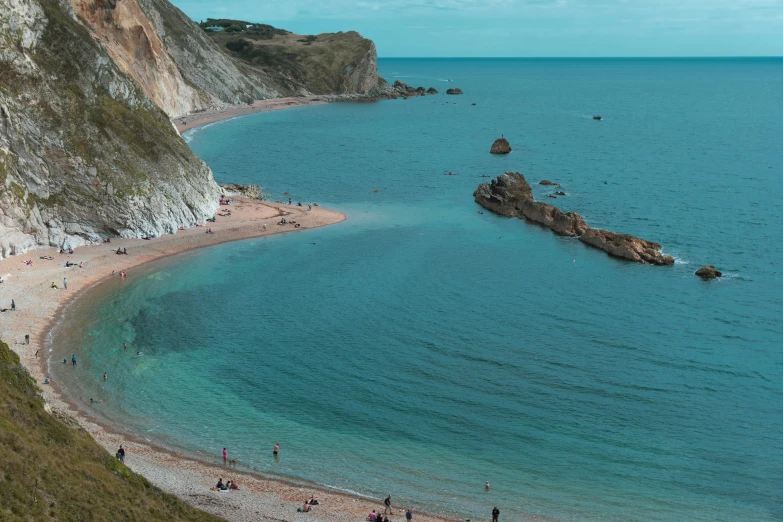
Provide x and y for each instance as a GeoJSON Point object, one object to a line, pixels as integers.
{"type": "Point", "coordinates": [228, 486]}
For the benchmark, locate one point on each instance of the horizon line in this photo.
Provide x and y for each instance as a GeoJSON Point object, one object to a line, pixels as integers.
{"type": "Point", "coordinates": [580, 57]}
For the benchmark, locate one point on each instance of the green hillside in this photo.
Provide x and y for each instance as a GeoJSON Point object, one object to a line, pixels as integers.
{"type": "Point", "coordinates": [52, 471]}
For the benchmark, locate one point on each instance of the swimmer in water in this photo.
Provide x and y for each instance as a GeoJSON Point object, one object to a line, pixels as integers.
{"type": "Point", "coordinates": [138, 353]}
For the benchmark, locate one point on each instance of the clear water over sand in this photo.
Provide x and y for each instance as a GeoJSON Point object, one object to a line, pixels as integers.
{"type": "Point", "coordinates": [421, 348]}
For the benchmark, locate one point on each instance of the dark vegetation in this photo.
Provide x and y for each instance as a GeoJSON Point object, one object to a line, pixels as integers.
{"type": "Point", "coordinates": [256, 31]}
{"type": "Point", "coordinates": [51, 470]}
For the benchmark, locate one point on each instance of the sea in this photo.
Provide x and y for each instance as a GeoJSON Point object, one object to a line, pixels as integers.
{"type": "Point", "coordinates": [424, 347]}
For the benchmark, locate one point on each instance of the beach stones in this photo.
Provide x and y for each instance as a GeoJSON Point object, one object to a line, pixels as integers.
{"type": "Point", "coordinates": [708, 272]}
{"type": "Point", "coordinates": [501, 146]}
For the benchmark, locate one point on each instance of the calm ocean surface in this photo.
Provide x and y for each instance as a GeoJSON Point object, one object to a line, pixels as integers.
{"type": "Point", "coordinates": [421, 348]}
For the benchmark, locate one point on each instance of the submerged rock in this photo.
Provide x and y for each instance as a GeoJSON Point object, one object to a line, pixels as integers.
{"type": "Point", "coordinates": [547, 182]}
{"type": "Point", "coordinates": [510, 195]}
{"type": "Point", "coordinates": [501, 146]}
{"type": "Point", "coordinates": [454, 90]}
{"type": "Point", "coordinates": [708, 272]}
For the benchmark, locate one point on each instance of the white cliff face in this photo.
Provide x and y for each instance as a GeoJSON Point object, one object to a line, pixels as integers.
{"type": "Point", "coordinates": [84, 152]}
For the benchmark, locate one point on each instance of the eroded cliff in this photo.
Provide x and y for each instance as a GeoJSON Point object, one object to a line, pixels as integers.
{"type": "Point", "coordinates": [84, 152]}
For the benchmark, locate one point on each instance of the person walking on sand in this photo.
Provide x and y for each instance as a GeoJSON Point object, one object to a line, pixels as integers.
{"type": "Point", "coordinates": [388, 505]}
{"type": "Point", "coordinates": [26, 338]}
{"type": "Point", "coordinates": [13, 305]}
{"type": "Point", "coordinates": [65, 283]}
{"type": "Point", "coordinates": [276, 449]}
{"type": "Point", "coordinates": [225, 456]}
{"type": "Point", "coordinates": [495, 514]}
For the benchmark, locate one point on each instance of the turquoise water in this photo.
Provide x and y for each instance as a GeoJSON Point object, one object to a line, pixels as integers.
{"type": "Point", "coordinates": [421, 348]}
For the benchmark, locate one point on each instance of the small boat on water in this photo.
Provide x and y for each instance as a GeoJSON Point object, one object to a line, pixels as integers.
{"type": "Point", "coordinates": [597, 118]}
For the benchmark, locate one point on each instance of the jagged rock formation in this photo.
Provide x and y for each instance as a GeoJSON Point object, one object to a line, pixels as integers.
{"type": "Point", "coordinates": [84, 152]}
{"type": "Point", "coordinates": [708, 272]}
{"type": "Point", "coordinates": [404, 90]}
{"type": "Point", "coordinates": [454, 90]}
{"type": "Point", "coordinates": [626, 247]}
{"type": "Point", "coordinates": [500, 146]}
{"type": "Point", "coordinates": [510, 195]}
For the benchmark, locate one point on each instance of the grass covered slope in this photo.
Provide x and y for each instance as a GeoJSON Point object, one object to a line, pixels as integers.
{"type": "Point", "coordinates": [52, 471]}
{"type": "Point", "coordinates": [328, 63]}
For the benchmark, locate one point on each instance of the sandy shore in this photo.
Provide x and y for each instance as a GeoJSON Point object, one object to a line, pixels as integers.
{"type": "Point", "coordinates": [203, 118]}
{"type": "Point", "coordinates": [38, 306]}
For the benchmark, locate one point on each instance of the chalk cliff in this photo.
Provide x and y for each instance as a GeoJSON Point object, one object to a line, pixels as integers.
{"type": "Point", "coordinates": [510, 195]}
{"type": "Point", "coordinates": [84, 151]}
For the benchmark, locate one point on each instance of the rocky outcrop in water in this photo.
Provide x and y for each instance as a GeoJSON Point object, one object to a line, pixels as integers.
{"type": "Point", "coordinates": [454, 90]}
{"type": "Point", "coordinates": [510, 195]}
{"type": "Point", "coordinates": [708, 272]}
{"type": "Point", "coordinates": [403, 89]}
{"type": "Point", "coordinates": [626, 246]}
{"type": "Point", "coordinates": [548, 183]}
{"type": "Point", "coordinates": [84, 152]}
{"type": "Point", "coordinates": [500, 146]}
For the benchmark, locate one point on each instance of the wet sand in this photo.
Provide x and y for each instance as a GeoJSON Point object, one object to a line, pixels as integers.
{"type": "Point", "coordinates": [38, 306]}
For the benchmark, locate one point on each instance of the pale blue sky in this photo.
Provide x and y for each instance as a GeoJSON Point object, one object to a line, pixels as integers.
{"type": "Point", "coordinates": [527, 27]}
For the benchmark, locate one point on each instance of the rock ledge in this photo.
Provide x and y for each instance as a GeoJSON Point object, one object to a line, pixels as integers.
{"type": "Point", "coordinates": [510, 195]}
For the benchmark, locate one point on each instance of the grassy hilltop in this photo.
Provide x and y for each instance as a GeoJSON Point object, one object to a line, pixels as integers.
{"type": "Point", "coordinates": [50, 470]}
{"type": "Point", "coordinates": [328, 63]}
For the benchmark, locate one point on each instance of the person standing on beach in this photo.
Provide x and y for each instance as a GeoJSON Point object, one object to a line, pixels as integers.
{"type": "Point", "coordinates": [409, 514]}
{"type": "Point", "coordinates": [388, 505]}
{"type": "Point", "coordinates": [26, 338]}
{"type": "Point", "coordinates": [121, 454]}
{"type": "Point", "coordinates": [276, 449]}
{"type": "Point", "coordinates": [73, 360]}
{"type": "Point", "coordinates": [225, 456]}
{"type": "Point", "coordinates": [13, 305]}
{"type": "Point", "coordinates": [495, 514]}
{"type": "Point", "coordinates": [65, 283]}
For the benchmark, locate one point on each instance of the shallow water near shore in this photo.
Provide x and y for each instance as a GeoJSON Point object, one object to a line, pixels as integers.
{"type": "Point", "coordinates": [421, 348]}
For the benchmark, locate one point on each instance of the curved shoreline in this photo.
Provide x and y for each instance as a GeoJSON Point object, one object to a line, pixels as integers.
{"type": "Point", "coordinates": [198, 119]}
{"type": "Point", "coordinates": [187, 476]}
